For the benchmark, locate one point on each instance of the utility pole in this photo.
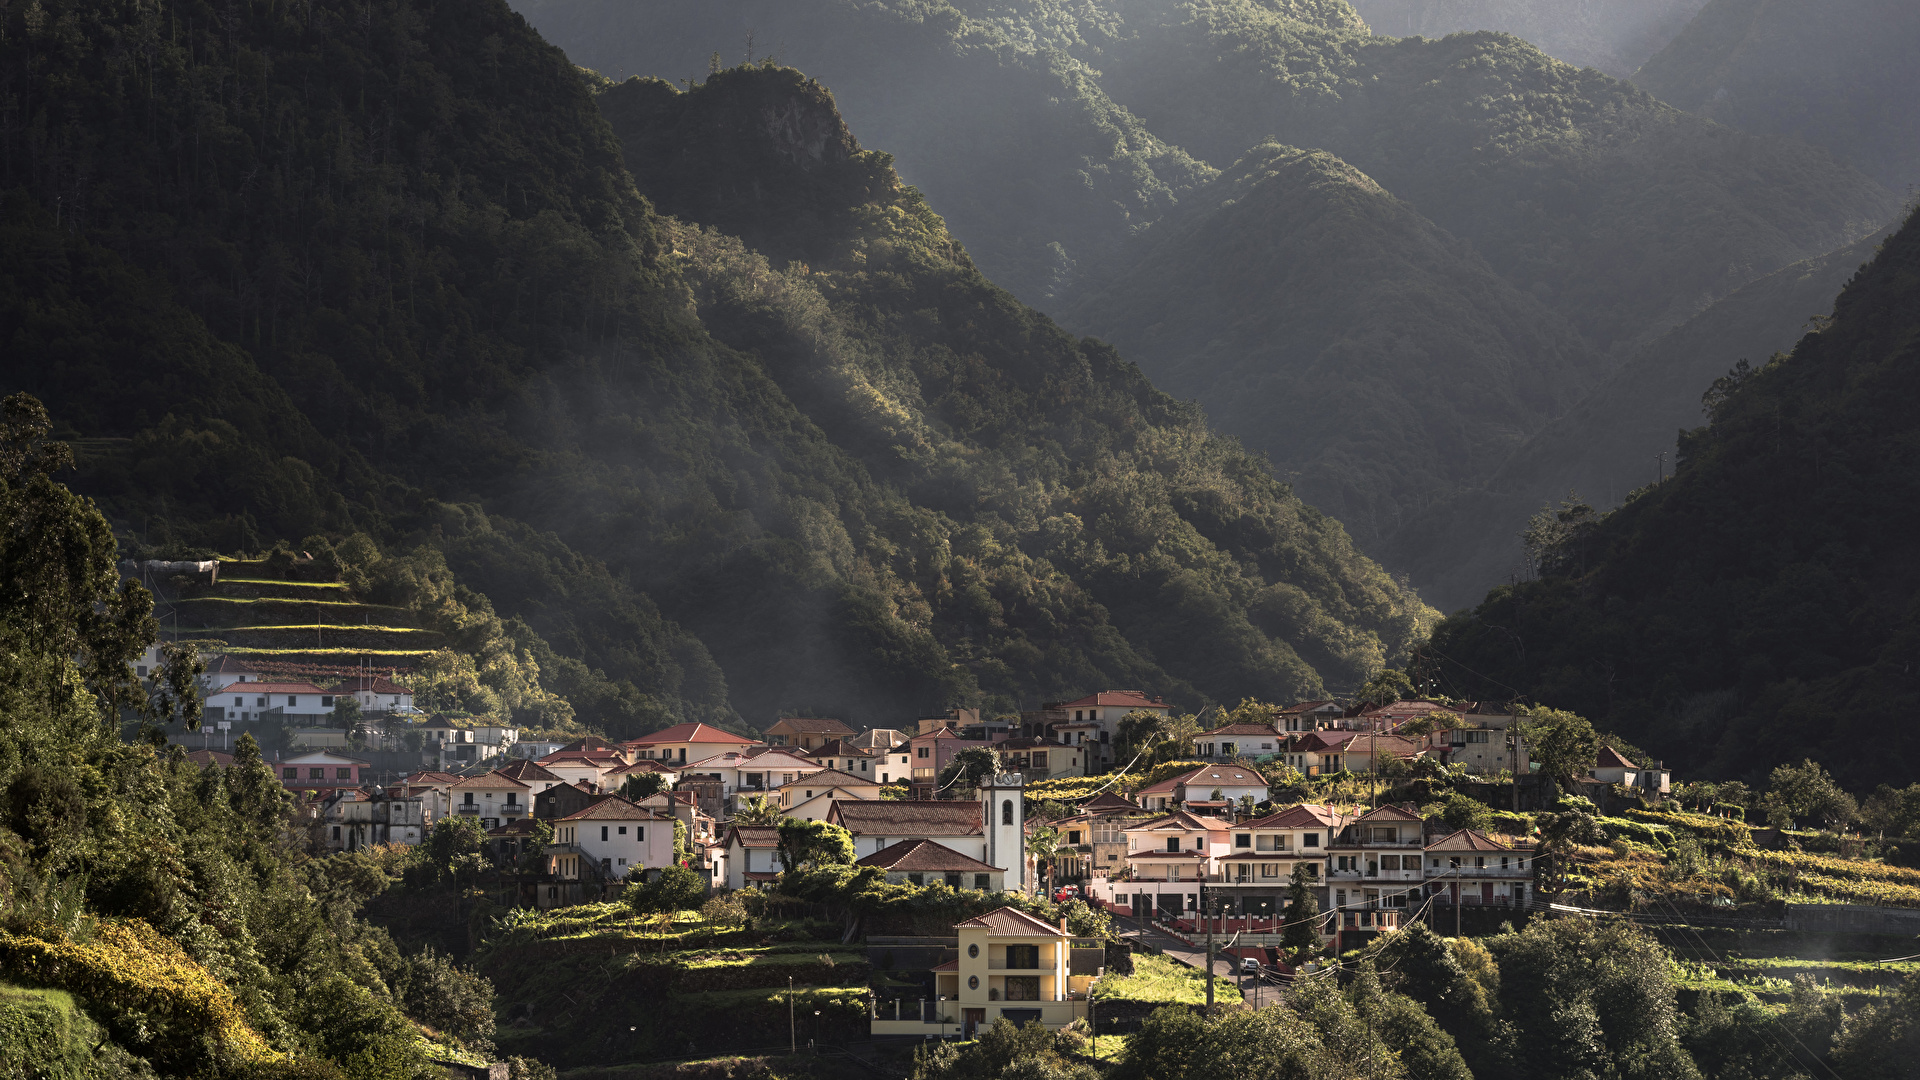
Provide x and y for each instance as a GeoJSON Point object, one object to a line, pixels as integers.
{"type": "Point", "coordinates": [1207, 913]}
{"type": "Point", "coordinates": [1457, 900]}
{"type": "Point", "coordinates": [793, 1042]}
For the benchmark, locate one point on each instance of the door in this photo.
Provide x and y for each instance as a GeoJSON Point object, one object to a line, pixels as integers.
{"type": "Point", "coordinates": [1486, 892]}
{"type": "Point", "coordinates": [971, 1019]}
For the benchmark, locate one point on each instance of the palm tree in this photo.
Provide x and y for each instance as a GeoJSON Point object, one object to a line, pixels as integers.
{"type": "Point", "coordinates": [759, 810]}
{"type": "Point", "coordinates": [1043, 845]}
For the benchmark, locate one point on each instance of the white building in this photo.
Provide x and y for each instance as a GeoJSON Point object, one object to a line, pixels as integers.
{"type": "Point", "coordinates": [609, 839]}
{"type": "Point", "coordinates": [295, 703]}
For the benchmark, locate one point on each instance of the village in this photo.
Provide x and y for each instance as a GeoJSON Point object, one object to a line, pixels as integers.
{"type": "Point", "coordinates": [1186, 834]}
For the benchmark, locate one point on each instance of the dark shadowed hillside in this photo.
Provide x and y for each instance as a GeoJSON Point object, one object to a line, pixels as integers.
{"type": "Point", "coordinates": [1371, 356]}
{"type": "Point", "coordinates": [1839, 74]}
{"type": "Point", "coordinates": [291, 286]}
{"type": "Point", "coordinates": [1765, 595]}
{"type": "Point", "coordinates": [1611, 442]}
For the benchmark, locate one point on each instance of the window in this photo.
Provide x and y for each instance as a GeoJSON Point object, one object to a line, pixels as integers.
{"type": "Point", "coordinates": [1344, 862]}
{"type": "Point", "coordinates": [1389, 862]}
{"type": "Point", "coordinates": [1227, 749]}
{"type": "Point", "coordinates": [513, 798]}
{"type": "Point", "coordinates": [1103, 736]}
{"type": "Point", "coordinates": [1480, 862]}
{"type": "Point", "coordinates": [640, 833]}
{"type": "Point", "coordinates": [980, 882]}
{"type": "Point", "coordinates": [468, 801]}
{"type": "Point", "coordinates": [238, 702]}
{"type": "Point", "coordinates": [1383, 835]}
{"type": "Point", "coordinates": [336, 832]}
{"type": "Point", "coordinates": [1173, 843]}
{"type": "Point", "coordinates": [921, 751]}
{"type": "Point", "coordinates": [603, 832]}
{"type": "Point", "coordinates": [289, 774]}
{"type": "Point", "coordinates": [1006, 811]}
{"type": "Point", "coordinates": [1311, 839]}
{"type": "Point", "coordinates": [623, 830]}
{"type": "Point", "coordinates": [953, 881]}
{"type": "Point", "coordinates": [141, 671]}
{"type": "Point", "coordinates": [343, 774]}
{"type": "Point", "coordinates": [1503, 862]}
{"type": "Point", "coordinates": [1339, 898]}
{"type": "Point", "coordinates": [260, 703]}
{"type": "Point", "coordinates": [1269, 870]}
{"type": "Point", "coordinates": [1243, 840]}
{"type": "Point", "coordinates": [326, 702]}
{"type": "Point", "coordinates": [292, 701]}
{"type": "Point", "coordinates": [1199, 843]}
{"type": "Point", "coordinates": [623, 862]}
{"type": "Point", "coordinates": [1023, 957]}
{"type": "Point", "coordinates": [1039, 759]}
{"type": "Point", "coordinates": [916, 879]}
{"type": "Point", "coordinates": [1023, 987]}
{"type": "Point", "coordinates": [316, 774]}
{"type": "Point", "coordinates": [863, 766]}
{"type": "Point", "coordinates": [1073, 836]}
{"type": "Point", "coordinates": [1313, 871]}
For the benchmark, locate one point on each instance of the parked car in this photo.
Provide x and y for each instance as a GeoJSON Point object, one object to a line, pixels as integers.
{"type": "Point", "coordinates": [1249, 966]}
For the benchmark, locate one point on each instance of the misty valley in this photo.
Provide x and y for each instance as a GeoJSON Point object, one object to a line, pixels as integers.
{"type": "Point", "coordinates": [959, 539]}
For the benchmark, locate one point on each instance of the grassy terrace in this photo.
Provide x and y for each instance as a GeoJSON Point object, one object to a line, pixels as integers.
{"type": "Point", "coordinates": [278, 581]}
{"type": "Point", "coordinates": [285, 600]}
{"type": "Point", "coordinates": [319, 626]}
{"type": "Point", "coordinates": [242, 650]}
{"type": "Point", "coordinates": [1158, 979]}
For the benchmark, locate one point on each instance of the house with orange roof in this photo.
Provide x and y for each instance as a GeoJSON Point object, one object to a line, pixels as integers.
{"type": "Point", "coordinates": [1473, 868]}
{"type": "Point", "coordinates": [1094, 721]}
{"type": "Point", "coordinates": [572, 766]}
{"type": "Point", "coordinates": [807, 732]}
{"type": "Point", "coordinates": [1234, 742]}
{"type": "Point", "coordinates": [811, 797]}
{"type": "Point", "coordinates": [1171, 858]}
{"type": "Point", "coordinates": [1232, 782]}
{"type": "Point", "coordinates": [922, 862]}
{"type": "Point", "coordinates": [1011, 966]}
{"type": "Point", "coordinates": [290, 702]}
{"type": "Point", "coordinates": [492, 799]}
{"type": "Point", "coordinates": [599, 845]}
{"type": "Point", "coordinates": [683, 743]}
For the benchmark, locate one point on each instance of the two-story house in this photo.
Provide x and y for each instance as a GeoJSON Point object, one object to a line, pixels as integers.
{"type": "Point", "coordinates": [932, 752]}
{"type": "Point", "coordinates": [1094, 721]}
{"type": "Point", "coordinates": [750, 855]}
{"type": "Point", "coordinates": [683, 743]}
{"type": "Point", "coordinates": [1323, 753]}
{"type": "Point", "coordinates": [811, 797]}
{"type": "Point", "coordinates": [1209, 783]}
{"type": "Point", "coordinates": [807, 732]}
{"type": "Point", "coordinates": [293, 703]}
{"type": "Point", "coordinates": [896, 763]}
{"type": "Point", "coordinates": [351, 820]}
{"type": "Point", "coordinates": [1040, 759]}
{"type": "Point", "coordinates": [609, 839]}
{"type": "Point", "coordinates": [321, 771]}
{"type": "Point", "coordinates": [1304, 716]}
{"type": "Point", "coordinates": [492, 799]}
{"type": "Point", "coordinates": [848, 757]}
{"type": "Point", "coordinates": [534, 775]}
{"type": "Point", "coordinates": [573, 766]}
{"type": "Point", "coordinates": [1014, 967]}
{"type": "Point", "coordinates": [1255, 875]}
{"type": "Point", "coordinates": [375, 694]}
{"type": "Point", "coordinates": [1611, 767]}
{"type": "Point", "coordinates": [561, 800]}
{"type": "Point", "coordinates": [740, 772]}
{"type": "Point", "coordinates": [1169, 859]}
{"type": "Point", "coordinates": [1473, 868]}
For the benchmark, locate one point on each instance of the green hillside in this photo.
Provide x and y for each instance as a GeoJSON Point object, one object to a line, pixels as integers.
{"type": "Point", "coordinates": [1373, 358]}
{"type": "Point", "coordinates": [1760, 603]}
{"type": "Point", "coordinates": [1610, 443]}
{"type": "Point", "coordinates": [1594, 218]}
{"type": "Point", "coordinates": [1837, 73]}
{"type": "Point", "coordinates": [1616, 36]}
{"type": "Point", "coordinates": [426, 302]}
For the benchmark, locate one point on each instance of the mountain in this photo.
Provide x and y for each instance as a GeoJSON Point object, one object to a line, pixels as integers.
{"type": "Point", "coordinates": [1761, 602]}
{"type": "Point", "coordinates": [1620, 437]}
{"type": "Point", "coordinates": [1836, 73]}
{"type": "Point", "coordinates": [1037, 172]}
{"type": "Point", "coordinates": [1373, 358]}
{"type": "Point", "coordinates": [279, 285]}
{"type": "Point", "coordinates": [1583, 218]}
{"type": "Point", "coordinates": [1616, 36]}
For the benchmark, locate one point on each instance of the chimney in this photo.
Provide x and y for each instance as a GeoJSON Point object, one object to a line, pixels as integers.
{"type": "Point", "coordinates": [1063, 925]}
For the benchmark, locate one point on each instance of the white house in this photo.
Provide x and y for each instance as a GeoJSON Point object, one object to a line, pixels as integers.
{"type": "Point", "coordinates": [611, 838]}
{"type": "Point", "coordinates": [750, 856]}
{"type": "Point", "coordinates": [1612, 768]}
{"type": "Point", "coordinates": [683, 743]}
{"type": "Point", "coordinates": [289, 702]}
{"type": "Point", "coordinates": [375, 693]}
{"type": "Point", "coordinates": [811, 797]}
{"type": "Point", "coordinates": [1231, 782]}
{"type": "Point", "coordinates": [1094, 721]}
{"type": "Point", "coordinates": [494, 798]}
{"type": "Point", "coordinates": [739, 773]}
{"type": "Point", "coordinates": [923, 862]}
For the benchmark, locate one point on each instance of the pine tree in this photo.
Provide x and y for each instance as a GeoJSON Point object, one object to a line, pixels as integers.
{"type": "Point", "coordinates": [1303, 914]}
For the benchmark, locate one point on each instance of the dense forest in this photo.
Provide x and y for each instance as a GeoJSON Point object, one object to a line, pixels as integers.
{"type": "Point", "coordinates": [1763, 595]}
{"type": "Point", "coordinates": [1058, 139]}
{"type": "Point", "coordinates": [287, 274]}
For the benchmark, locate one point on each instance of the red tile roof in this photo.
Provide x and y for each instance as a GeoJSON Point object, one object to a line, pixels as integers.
{"type": "Point", "coordinates": [909, 817]}
{"type": "Point", "coordinates": [924, 855]}
{"type": "Point", "coordinates": [1238, 729]}
{"type": "Point", "coordinates": [754, 836]}
{"type": "Point", "coordinates": [209, 757]}
{"type": "Point", "coordinates": [1297, 816]}
{"type": "Point", "coordinates": [527, 772]}
{"type": "Point", "coordinates": [1610, 759]}
{"type": "Point", "coordinates": [1207, 776]}
{"type": "Point", "coordinates": [691, 733]}
{"type": "Point", "coordinates": [271, 688]}
{"type": "Point", "coordinates": [813, 725]}
{"type": "Point", "coordinates": [615, 808]}
{"type": "Point", "coordinates": [1468, 840]}
{"type": "Point", "coordinates": [1107, 800]}
{"type": "Point", "coordinates": [495, 780]}
{"type": "Point", "coordinates": [833, 778]}
{"type": "Point", "coordinates": [1010, 921]}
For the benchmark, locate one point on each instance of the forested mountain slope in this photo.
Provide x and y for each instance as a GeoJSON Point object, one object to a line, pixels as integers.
{"type": "Point", "coordinates": [1374, 359]}
{"type": "Point", "coordinates": [1765, 595]}
{"type": "Point", "coordinates": [1838, 73]}
{"type": "Point", "coordinates": [1035, 123]}
{"type": "Point", "coordinates": [1616, 36]}
{"type": "Point", "coordinates": [383, 269]}
{"type": "Point", "coordinates": [1614, 440]}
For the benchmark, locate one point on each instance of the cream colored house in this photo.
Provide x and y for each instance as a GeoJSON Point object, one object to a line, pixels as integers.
{"type": "Point", "coordinates": [1011, 966]}
{"type": "Point", "coordinates": [811, 796]}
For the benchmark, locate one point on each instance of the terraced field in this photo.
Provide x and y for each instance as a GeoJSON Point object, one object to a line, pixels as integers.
{"type": "Point", "coordinates": [248, 613]}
